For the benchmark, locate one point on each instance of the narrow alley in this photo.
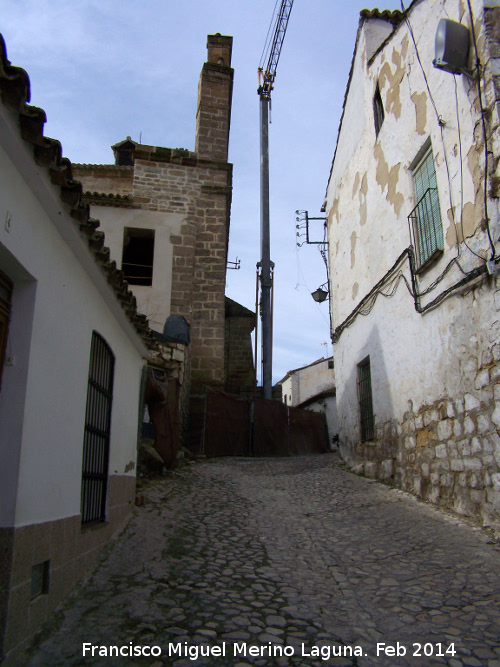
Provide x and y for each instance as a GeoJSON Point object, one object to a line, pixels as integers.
{"type": "Point", "coordinates": [283, 562]}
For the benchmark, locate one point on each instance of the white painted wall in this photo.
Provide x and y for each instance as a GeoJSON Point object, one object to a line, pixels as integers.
{"type": "Point", "coordinates": [153, 301]}
{"type": "Point", "coordinates": [304, 384]}
{"type": "Point", "coordinates": [57, 303]}
{"type": "Point", "coordinates": [370, 194]}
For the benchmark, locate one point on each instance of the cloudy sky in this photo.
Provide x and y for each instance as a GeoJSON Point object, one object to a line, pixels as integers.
{"type": "Point", "coordinates": [105, 69]}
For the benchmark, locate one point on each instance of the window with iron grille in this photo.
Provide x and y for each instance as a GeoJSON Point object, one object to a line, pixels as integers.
{"type": "Point", "coordinates": [365, 400]}
{"type": "Point", "coordinates": [425, 219]}
{"type": "Point", "coordinates": [97, 431]}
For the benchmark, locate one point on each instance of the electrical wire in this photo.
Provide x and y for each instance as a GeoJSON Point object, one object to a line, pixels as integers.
{"type": "Point", "coordinates": [462, 177]}
{"type": "Point", "coordinates": [485, 137]}
{"type": "Point", "coordinates": [442, 124]}
{"type": "Point", "coordinates": [391, 281]}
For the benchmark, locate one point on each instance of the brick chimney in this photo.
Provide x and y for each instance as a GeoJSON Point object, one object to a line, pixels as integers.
{"type": "Point", "coordinates": [215, 92]}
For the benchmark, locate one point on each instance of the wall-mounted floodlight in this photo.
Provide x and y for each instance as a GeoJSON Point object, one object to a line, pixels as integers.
{"type": "Point", "coordinates": [451, 47]}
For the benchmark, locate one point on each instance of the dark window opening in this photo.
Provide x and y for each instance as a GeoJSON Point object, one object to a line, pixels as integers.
{"type": "Point", "coordinates": [5, 307]}
{"type": "Point", "coordinates": [40, 579]}
{"type": "Point", "coordinates": [378, 110]}
{"type": "Point", "coordinates": [97, 431]}
{"type": "Point", "coordinates": [365, 400]}
{"type": "Point", "coordinates": [138, 254]}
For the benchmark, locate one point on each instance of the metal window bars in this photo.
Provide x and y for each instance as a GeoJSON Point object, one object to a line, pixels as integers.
{"type": "Point", "coordinates": [97, 431]}
{"type": "Point", "coordinates": [365, 401]}
{"type": "Point", "coordinates": [426, 229]}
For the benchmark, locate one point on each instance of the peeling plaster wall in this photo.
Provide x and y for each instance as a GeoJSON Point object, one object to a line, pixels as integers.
{"type": "Point", "coordinates": [434, 375]}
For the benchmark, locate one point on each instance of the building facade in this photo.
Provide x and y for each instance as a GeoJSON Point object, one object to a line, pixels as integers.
{"type": "Point", "coordinates": [313, 387]}
{"type": "Point", "coordinates": [413, 229]}
{"type": "Point", "coordinates": [166, 214]}
{"type": "Point", "coordinates": [72, 350]}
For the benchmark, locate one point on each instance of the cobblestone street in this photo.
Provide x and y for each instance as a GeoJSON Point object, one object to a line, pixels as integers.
{"type": "Point", "coordinates": [293, 557]}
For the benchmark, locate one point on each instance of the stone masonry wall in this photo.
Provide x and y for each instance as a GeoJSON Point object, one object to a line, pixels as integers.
{"type": "Point", "coordinates": [240, 373]}
{"type": "Point", "coordinates": [447, 451]}
{"type": "Point", "coordinates": [104, 178]}
{"type": "Point", "coordinates": [201, 192]}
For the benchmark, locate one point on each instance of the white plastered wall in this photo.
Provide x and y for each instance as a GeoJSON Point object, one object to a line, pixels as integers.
{"type": "Point", "coordinates": [370, 194]}
{"type": "Point", "coordinates": [56, 307]}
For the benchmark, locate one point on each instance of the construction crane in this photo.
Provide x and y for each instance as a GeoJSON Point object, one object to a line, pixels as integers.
{"type": "Point", "coordinates": [265, 267]}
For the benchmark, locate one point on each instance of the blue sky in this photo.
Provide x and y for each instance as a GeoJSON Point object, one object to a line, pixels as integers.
{"type": "Point", "coordinates": [106, 69]}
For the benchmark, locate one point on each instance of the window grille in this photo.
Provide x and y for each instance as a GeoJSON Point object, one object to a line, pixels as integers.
{"type": "Point", "coordinates": [378, 110]}
{"type": "Point", "coordinates": [425, 219]}
{"type": "Point", "coordinates": [97, 431]}
{"type": "Point", "coordinates": [365, 400]}
{"type": "Point", "coordinates": [138, 254]}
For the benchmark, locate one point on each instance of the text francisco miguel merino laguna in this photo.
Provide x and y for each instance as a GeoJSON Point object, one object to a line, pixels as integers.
{"type": "Point", "coordinates": [195, 651]}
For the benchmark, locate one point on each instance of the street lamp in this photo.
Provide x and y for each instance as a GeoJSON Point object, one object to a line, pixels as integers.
{"type": "Point", "coordinates": [320, 294]}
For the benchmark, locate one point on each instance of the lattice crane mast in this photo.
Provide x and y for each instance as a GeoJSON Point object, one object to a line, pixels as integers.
{"type": "Point", "coordinates": [265, 267]}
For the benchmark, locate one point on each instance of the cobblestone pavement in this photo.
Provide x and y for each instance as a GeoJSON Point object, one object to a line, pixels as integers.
{"type": "Point", "coordinates": [248, 558]}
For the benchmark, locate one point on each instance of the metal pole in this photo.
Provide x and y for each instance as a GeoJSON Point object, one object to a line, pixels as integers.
{"type": "Point", "coordinates": [266, 283]}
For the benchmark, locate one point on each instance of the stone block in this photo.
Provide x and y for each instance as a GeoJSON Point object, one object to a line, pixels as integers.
{"type": "Point", "coordinates": [430, 416]}
{"type": "Point", "coordinates": [463, 480]}
{"type": "Point", "coordinates": [471, 403]}
{"type": "Point", "coordinates": [425, 470]}
{"type": "Point", "coordinates": [469, 426]}
{"type": "Point", "coordinates": [446, 480]}
{"type": "Point", "coordinates": [444, 429]}
{"type": "Point", "coordinates": [370, 469]}
{"type": "Point", "coordinates": [495, 417]}
{"type": "Point", "coordinates": [482, 379]}
{"type": "Point", "coordinates": [457, 465]}
{"type": "Point", "coordinates": [475, 446]}
{"type": "Point", "coordinates": [386, 468]}
{"type": "Point", "coordinates": [423, 438]}
{"type": "Point", "coordinates": [484, 425]}
{"type": "Point", "coordinates": [473, 464]}
{"type": "Point", "coordinates": [441, 451]}
{"type": "Point", "coordinates": [457, 428]}
{"type": "Point", "coordinates": [417, 486]}
{"type": "Point", "coordinates": [495, 374]}
{"type": "Point", "coordinates": [410, 442]}
{"type": "Point", "coordinates": [495, 481]}
{"type": "Point", "coordinates": [433, 494]}
{"type": "Point", "coordinates": [493, 497]}
{"type": "Point", "coordinates": [486, 357]}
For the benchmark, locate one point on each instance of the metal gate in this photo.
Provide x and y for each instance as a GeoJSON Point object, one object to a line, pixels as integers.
{"type": "Point", "coordinates": [237, 426]}
{"type": "Point", "coordinates": [97, 431]}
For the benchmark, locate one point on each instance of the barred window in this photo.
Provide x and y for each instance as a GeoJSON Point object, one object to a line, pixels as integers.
{"type": "Point", "coordinates": [97, 431]}
{"type": "Point", "coordinates": [365, 400]}
{"type": "Point", "coordinates": [425, 219]}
